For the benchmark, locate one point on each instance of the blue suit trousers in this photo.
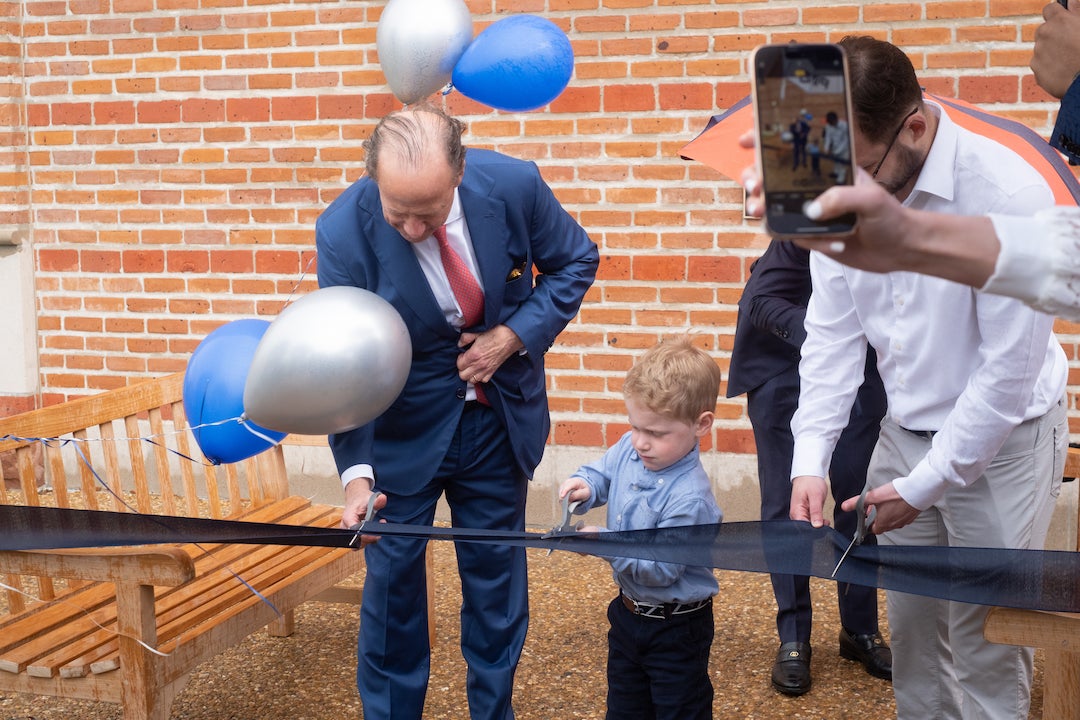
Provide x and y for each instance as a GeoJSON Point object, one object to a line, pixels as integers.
{"type": "Point", "coordinates": [484, 489]}
{"type": "Point", "coordinates": [770, 407]}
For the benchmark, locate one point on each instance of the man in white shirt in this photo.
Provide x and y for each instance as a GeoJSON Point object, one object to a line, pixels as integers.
{"type": "Point", "coordinates": [972, 448]}
{"type": "Point", "coordinates": [836, 145]}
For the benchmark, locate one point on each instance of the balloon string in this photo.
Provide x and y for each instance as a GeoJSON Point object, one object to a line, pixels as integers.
{"type": "Point", "coordinates": [251, 428]}
{"type": "Point", "coordinates": [84, 611]}
{"type": "Point", "coordinates": [299, 281]}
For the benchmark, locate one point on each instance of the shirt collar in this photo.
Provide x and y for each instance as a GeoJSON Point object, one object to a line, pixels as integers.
{"type": "Point", "coordinates": [937, 176]}
{"type": "Point", "coordinates": [456, 213]}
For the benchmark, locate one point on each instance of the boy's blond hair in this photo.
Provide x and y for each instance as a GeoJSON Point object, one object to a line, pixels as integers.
{"type": "Point", "coordinates": [675, 379]}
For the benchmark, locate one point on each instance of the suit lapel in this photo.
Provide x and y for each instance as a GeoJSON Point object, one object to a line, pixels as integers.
{"type": "Point", "coordinates": [403, 270]}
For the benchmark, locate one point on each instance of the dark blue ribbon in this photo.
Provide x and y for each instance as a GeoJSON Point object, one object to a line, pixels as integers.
{"type": "Point", "coordinates": [1029, 579]}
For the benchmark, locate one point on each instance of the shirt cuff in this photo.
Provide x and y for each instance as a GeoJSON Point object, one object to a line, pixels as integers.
{"type": "Point", "coordinates": [921, 488]}
{"type": "Point", "coordinates": [362, 470]}
{"type": "Point", "coordinates": [1023, 267]}
{"type": "Point", "coordinates": [810, 457]}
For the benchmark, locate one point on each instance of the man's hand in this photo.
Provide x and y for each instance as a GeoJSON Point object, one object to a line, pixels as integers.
{"type": "Point", "coordinates": [808, 499]}
{"type": "Point", "coordinates": [1056, 60]}
{"type": "Point", "coordinates": [893, 512]}
{"type": "Point", "coordinates": [486, 352]}
{"type": "Point", "coordinates": [357, 496]}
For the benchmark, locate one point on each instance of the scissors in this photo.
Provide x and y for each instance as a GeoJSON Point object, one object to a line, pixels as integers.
{"type": "Point", "coordinates": [866, 522]}
{"type": "Point", "coordinates": [567, 526]}
{"type": "Point", "coordinates": [369, 517]}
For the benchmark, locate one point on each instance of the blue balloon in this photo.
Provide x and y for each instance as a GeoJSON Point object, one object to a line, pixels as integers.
{"type": "Point", "coordinates": [518, 63]}
{"type": "Point", "coordinates": [214, 392]}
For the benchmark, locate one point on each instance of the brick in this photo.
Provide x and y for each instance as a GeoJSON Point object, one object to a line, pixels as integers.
{"type": "Point", "coordinates": [200, 110]}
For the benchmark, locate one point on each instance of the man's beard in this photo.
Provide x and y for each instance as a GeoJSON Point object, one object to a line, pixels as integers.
{"type": "Point", "coordinates": [908, 166]}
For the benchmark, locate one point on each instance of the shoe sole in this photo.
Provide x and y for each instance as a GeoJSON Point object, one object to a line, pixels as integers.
{"type": "Point", "coordinates": [789, 691]}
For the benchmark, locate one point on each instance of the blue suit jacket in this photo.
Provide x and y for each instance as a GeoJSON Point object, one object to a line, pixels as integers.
{"type": "Point", "coordinates": [769, 332]}
{"type": "Point", "coordinates": [516, 225]}
{"type": "Point", "coordinates": [1066, 134]}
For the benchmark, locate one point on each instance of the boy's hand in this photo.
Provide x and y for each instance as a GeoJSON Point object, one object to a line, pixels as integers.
{"type": "Point", "coordinates": [576, 488]}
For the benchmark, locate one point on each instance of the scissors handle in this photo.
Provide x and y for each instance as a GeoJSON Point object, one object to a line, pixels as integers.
{"type": "Point", "coordinates": [369, 516]}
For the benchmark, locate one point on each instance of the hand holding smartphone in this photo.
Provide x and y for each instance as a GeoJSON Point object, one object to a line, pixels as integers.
{"type": "Point", "coordinates": [802, 110]}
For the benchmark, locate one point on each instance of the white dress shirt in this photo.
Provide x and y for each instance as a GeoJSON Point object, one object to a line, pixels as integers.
{"type": "Point", "coordinates": [427, 252]}
{"type": "Point", "coordinates": [1040, 260]}
{"type": "Point", "coordinates": [966, 364]}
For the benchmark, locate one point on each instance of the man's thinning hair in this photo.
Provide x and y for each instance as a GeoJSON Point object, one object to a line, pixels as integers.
{"type": "Point", "coordinates": [675, 379]}
{"type": "Point", "coordinates": [884, 88]}
{"type": "Point", "coordinates": [411, 132]}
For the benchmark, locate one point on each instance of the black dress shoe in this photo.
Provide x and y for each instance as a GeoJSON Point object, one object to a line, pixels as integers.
{"type": "Point", "coordinates": [870, 650]}
{"type": "Point", "coordinates": [791, 671]}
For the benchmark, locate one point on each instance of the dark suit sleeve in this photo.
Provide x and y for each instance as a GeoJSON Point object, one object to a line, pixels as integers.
{"type": "Point", "coordinates": [775, 297]}
{"type": "Point", "coordinates": [566, 261]}
{"type": "Point", "coordinates": [353, 447]}
{"type": "Point", "coordinates": [1066, 135]}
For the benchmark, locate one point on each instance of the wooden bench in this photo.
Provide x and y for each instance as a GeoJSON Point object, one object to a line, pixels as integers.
{"type": "Point", "coordinates": [128, 625]}
{"type": "Point", "coordinates": [1056, 634]}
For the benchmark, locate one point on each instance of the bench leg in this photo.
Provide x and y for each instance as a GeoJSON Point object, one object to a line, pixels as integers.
{"type": "Point", "coordinates": [1061, 685]}
{"type": "Point", "coordinates": [284, 626]}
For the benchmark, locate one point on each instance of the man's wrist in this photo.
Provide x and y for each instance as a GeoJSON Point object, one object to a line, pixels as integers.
{"type": "Point", "coordinates": [362, 470]}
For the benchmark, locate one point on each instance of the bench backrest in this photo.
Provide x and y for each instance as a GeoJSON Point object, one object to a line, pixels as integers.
{"type": "Point", "coordinates": [129, 449]}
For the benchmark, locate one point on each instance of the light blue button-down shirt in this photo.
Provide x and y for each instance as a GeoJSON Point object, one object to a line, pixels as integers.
{"type": "Point", "coordinates": [640, 499]}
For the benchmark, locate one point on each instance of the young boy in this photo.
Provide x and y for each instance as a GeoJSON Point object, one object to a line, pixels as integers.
{"type": "Point", "coordinates": [662, 621]}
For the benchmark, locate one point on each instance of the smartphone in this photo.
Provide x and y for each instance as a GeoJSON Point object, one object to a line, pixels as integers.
{"type": "Point", "coordinates": [802, 109]}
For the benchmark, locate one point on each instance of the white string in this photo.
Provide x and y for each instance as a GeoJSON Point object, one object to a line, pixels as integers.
{"type": "Point", "coordinates": [90, 617]}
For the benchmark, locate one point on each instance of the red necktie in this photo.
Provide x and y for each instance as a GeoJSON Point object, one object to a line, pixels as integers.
{"type": "Point", "coordinates": [465, 288]}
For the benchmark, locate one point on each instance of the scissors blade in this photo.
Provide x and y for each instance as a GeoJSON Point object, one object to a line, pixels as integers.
{"type": "Point", "coordinates": [853, 543]}
{"type": "Point", "coordinates": [866, 521]}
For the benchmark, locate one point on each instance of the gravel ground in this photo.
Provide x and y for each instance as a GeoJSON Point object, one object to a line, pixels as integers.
{"type": "Point", "coordinates": [311, 675]}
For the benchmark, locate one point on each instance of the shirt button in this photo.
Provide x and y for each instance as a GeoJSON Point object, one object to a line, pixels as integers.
{"type": "Point", "coordinates": [460, 394]}
{"type": "Point", "coordinates": [660, 481]}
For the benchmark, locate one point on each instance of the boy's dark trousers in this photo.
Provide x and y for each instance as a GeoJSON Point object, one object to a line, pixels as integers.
{"type": "Point", "coordinates": [658, 668]}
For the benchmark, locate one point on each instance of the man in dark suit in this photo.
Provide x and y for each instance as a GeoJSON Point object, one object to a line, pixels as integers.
{"type": "Point", "coordinates": [429, 227]}
{"type": "Point", "coordinates": [1056, 64]}
{"type": "Point", "coordinates": [765, 365]}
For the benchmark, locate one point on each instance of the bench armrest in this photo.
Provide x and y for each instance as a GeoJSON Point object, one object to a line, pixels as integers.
{"type": "Point", "coordinates": [164, 566]}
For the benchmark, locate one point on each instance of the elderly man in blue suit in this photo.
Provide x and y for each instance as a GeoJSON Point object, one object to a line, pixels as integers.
{"type": "Point", "coordinates": [486, 268]}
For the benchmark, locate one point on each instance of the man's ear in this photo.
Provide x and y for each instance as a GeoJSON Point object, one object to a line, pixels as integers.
{"type": "Point", "coordinates": [917, 124]}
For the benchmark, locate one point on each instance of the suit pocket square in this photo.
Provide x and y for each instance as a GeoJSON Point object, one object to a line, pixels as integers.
{"type": "Point", "coordinates": [516, 272]}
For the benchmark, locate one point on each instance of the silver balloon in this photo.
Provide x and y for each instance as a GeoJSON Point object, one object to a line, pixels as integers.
{"type": "Point", "coordinates": [332, 361]}
{"type": "Point", "coordinates": [419, 43]}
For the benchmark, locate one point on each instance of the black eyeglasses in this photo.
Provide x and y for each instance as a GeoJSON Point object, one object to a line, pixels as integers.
{"type": "Point", "coordinates": [893, 142]}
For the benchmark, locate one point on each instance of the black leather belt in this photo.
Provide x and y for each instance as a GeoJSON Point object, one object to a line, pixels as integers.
{"type": "Point", "coordinates": [665, 610]}
{"type": "Point", "coordinates": [924, 434]}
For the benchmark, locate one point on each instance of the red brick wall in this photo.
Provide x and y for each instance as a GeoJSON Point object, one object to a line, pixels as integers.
{"type": "Point", "coordinates": [178, 152]}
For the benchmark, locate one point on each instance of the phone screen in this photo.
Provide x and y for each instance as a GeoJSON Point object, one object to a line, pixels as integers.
{"type": "Point", "coordinates": [803, 111]}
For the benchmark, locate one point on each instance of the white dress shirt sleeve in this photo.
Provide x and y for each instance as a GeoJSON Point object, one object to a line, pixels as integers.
{"type": "Point", "coordinates": [830, 371]}
{"type": "Point", "coordinates": [1012, 354]}
{"type": "Point", "coordinates": [1039, 261]}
